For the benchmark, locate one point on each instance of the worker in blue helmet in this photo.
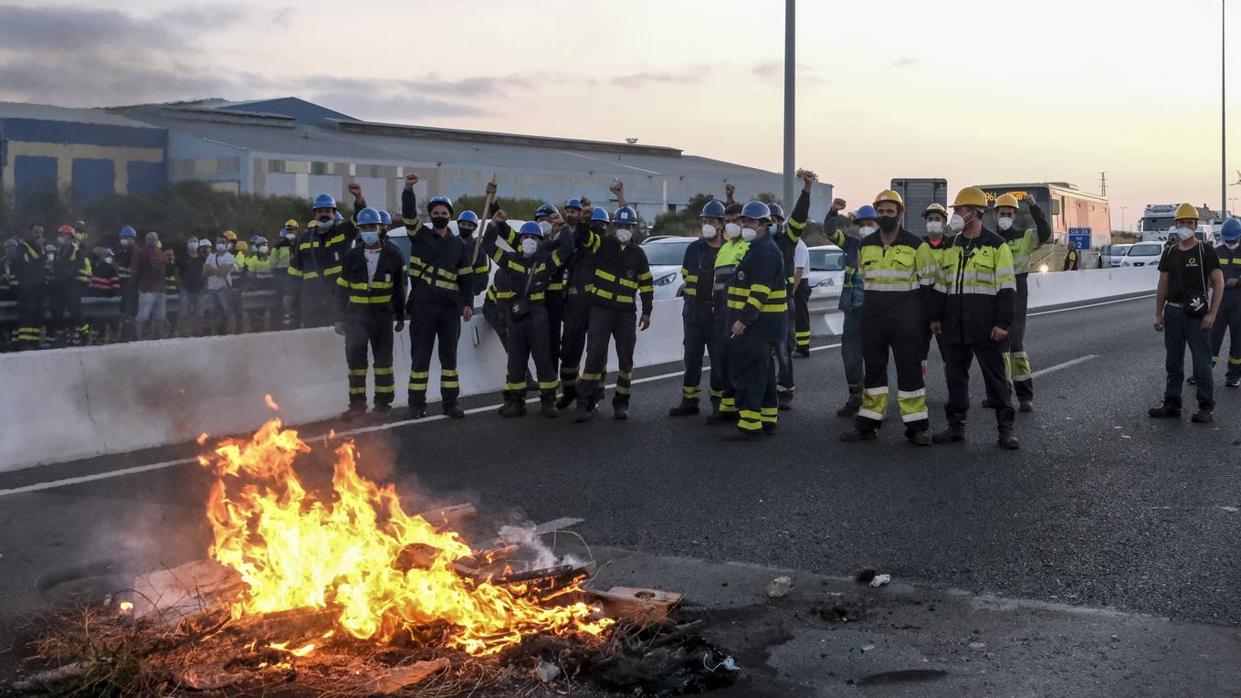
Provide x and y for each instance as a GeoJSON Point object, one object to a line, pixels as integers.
{"type": "Point", "coordinates": [787, 237]}
{"type": "Point", "coordinates": [698, 275]}
{"type": "Point", "coordinates": [441, 278]}
{"type": "Point", "coordinates": [757, 312]}
{"type": "Point", "coordinates": [385, 221]}
{"type": "Point", "coordinates": [1228, 320]}
{"type": "Point", "coordinates": [522, 280]}
{"type": "Point", "coordinates": [836, 227]}
{"type": "Point", "coordinates": [369, 310]}
{"type": "Point", "coordinates": [575, 315]}
{"type": "Point", "coordinates": [622, 277]}
{"type": "Point", "coordinates": [315, 261]}
{"type": "Point", "coordinates": [129, 291]}
{"type": "Point", "coordinates": [30, 276]}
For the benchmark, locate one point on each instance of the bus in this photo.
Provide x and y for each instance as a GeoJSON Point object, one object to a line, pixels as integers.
{"type": "Point", "coordinates": [1071, 211]}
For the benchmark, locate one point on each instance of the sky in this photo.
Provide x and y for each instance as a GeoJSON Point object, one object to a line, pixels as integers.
{"type": "Point", "coordinates": [972, 91]}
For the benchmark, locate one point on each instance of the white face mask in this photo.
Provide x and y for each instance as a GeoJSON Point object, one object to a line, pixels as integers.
{"type": "Point", "coordinates": [545, 227]}
{"type": "Point", "coordinates": [748, 234]}
{"type": "Point", "coordinates": [708, 231]}
{"type": "Point", "coordinates": [956, 222]}
{"type": "Point", "coordinates": [866, 230]}
{"type": "Point", "coordinates": [263, 249]}
{"type": "Point", "coordinates": [934, 227]}
{"type": "Point", "coordinates": [107, 260]}
{"type": "Point", "coordinates": [1185, 233]}
{"type": "Point", "coordinates": [624, 236]}
{"type": "Point", "coordinates": [732, 231]}
{"type": "Point", "coordinates": [290, 236]}
{"type": "Point", "coordinates": [1232, 245]}
{"type": "Point", "coordinates": [1005, 223]}
{"type": "Point", "coordinates": [529, 246]}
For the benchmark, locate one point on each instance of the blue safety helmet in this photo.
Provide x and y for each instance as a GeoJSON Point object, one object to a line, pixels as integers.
{"type": "Point", "coordinates": [866, 213]}
{"type": "Point", "coordinates": [625, 215]}
{"type": "Point", "coordinates": [468, 217]}
{"type": "Point", "coordinates": [254, 239]}
{"type": "Point", "coordinates": [573, 203]}
{"type": "Point", "coordinates": [11, 242]}
{"type": "Point", "coordinates": [337, 216]}
{"type": "Point", "coordinates": [385, 217]}
{"type": "Point", "coordinates": [368, 216]}
{"type": "Point", "coordinates": [530, 228]}
{"type": "Point", "coordinates": [1231, 230]}
{"type": "Point", "coordinates": [776, 210]}
{"type": "Point", "coordinates": [440, 201]}
{"type": "Point", "coordinates": [713, 209]}
{"type": "Point", "coordinates": [599, 214]}
{"type": "Point", "coordinates": [546, 210]}
{"type": "Point", "coordinates": [324, 201]}
{"type": "Point", "coordinates": [129, 232]}
{"type": "Point", "coordinates": [756, 210]}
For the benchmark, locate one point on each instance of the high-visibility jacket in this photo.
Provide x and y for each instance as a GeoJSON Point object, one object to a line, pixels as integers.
{"type": "Point", "coordinates": [124, 258]}
{"type": "Point", "coordinates": [698, 271]}
{"type": "Point", "coordinates": [381, 295]}
{"type": "Point", "coordinates": [519, 276]}
{"type": "Point", "coordinates": [441, 268]}
{"type": "Point", "coordinates": [258, 276]}
{"type": "Point", "coordinates": [622, 273]}
{"type": "Point", "coordinates": [938, 248]}
{"type": "Point", "coordinates": [758, 293]}
{"type": "Point", "coordinates": [30, 271]}
{"type": "Point", "coordinates": [1230, 263]}
{"type": "Point", "coordinates": [727, 258]}
{"type": "Point", "coordinates": [280, 255]}
{"type": "Point", "coordinates": [71, 268]}
{"type": "Point", "coordinates": [319, 254]}
{"type": "Point", "coordinates": [8, 280]}
{"type": "Point", "coordinates": [1023, 243]}
{"type": "Point", "coordinates": [898, 277]}
{"type": "Point", "coordinates": [976, 288]}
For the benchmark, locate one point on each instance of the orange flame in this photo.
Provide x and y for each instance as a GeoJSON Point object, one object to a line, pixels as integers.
{"type": "Point", "coordinates": [294, 551]}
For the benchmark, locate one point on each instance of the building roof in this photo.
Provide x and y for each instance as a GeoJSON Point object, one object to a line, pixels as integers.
{"type": "Point", "coordinates": [46, 112]}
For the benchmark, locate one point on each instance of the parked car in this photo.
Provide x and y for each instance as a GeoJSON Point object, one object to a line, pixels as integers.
{"type": "Point", "coordinates": [665, 253]}
{"type": "Point", "coordinates": [1143, 254]}
{"type": "Point", "coordinates": [1112, 255]}
{"type": "Point", "coordinates": [827, 271]}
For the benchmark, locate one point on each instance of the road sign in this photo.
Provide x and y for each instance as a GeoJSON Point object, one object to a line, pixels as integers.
{"type": "Point", "coordinates": [1080, 237]}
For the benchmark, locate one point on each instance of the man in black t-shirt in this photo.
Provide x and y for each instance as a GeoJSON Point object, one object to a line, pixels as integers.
{"type": "Point", "coordinates": [1191, 288]}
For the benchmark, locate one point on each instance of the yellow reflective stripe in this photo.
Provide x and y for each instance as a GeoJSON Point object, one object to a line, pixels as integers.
{"type": "Point", "coordinates": [385, 389]}
{"type": "Point", "coordinates": [465, 270]}
{"type": "Point", "coordinates": [449, 285]}
{"type": "Point", "coordinates": [364, 300]}
{"type": "Point", "coordinates": [293, 271]}
{"type": "Point", "coordinates": [450, 275]}
{"type": "Point", "coordinates": [645, 276]}
{"type": "Point", "coordinates": [357, 372]}
{"type": "Point", "coordinates": [381, 284]}
{"type": "Point", "coordinates": [383, 371]}
{"type": "Point", "coordinates": [332, 271]}
{"type": "Point", "coordinates": [336, 240]}
{"type": "Point", "coordinates": [627, 283]}
{"type": "Point", "coordinates": [605, 275]}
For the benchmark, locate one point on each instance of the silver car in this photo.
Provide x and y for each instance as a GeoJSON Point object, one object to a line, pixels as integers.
{"type": "Point", "coordinates": [827, 271]}
{"type": "Point", "coordinates": [665, 254]}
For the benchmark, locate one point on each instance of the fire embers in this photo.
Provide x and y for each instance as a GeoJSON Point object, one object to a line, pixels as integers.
{"type": "Point", "coordinates": [379, 571]}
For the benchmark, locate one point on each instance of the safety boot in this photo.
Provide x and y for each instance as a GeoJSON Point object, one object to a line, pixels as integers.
{"type": "Point", "coordinates": [620, 412]}
{"type": "Point", "coordinates": [740, 436]}
{"type": "Point", "coordinates": [859, 435]}
{"type": "Point", "coordinates": [453, 411]}
{"type": "Point", "coordinates": [382, 408]}
{"type": "Point", "coordinates": [1026, 406]}
{"type": "Point", "coordinates": [784, 400]}
{"type": "Point", "coordinates": [854, 403]}
{"type": "Point", "coordinates": [687, 408]}
{"type": "Point", "coordinates": [1204, 415]}
{"type": "Point", "coordinates": [1007, 440]}
{"type": "Point", "coordinates": [356, 411]}
{"type": "Point", "coordinates": [920, 438]}
{"type": "Point", "coordinates": [585, 412]}
{"type": "Point", "coordinates": [417, 412]}
{"type": "Point", "coordinates": [718, 417]}
{"type": "Point", "coordinates": [567, 398]}
{"type": "Point", "coordinates": [1233, 382]}
{"type": "Point", "coordinates": [953, 434]}
{"type": "Point", "coordinates": [1165, 411]}
{"type": "Point", "coordinates": [513, 409]}
{"type": "Point", "coordinates": [547, 407]}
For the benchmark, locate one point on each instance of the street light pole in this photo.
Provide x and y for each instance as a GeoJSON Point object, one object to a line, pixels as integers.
{"type": "Point", "coordinates": [790, 71]}
{"type": "Point", "coordinates": [1223, 112]}
{"type": "Point", "coordinates": [1122, 218]}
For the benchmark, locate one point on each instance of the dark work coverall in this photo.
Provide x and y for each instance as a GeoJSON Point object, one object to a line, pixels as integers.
{"type": "Point", "coordinates": [369, 305]}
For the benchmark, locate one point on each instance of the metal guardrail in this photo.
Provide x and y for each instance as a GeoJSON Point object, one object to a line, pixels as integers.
{"type": "Point", "coordinates": [95, 308]}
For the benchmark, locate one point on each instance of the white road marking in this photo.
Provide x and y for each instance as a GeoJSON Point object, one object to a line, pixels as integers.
{"type": "Point", "coordinates": [66, 482]}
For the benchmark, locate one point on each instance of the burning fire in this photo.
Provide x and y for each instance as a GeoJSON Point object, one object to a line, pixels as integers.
{"type": "Point", "coordinates": [294, 550]}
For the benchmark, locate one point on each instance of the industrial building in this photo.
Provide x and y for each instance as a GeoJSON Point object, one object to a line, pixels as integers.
{"type": "Point", "coordinates": [86, 152]}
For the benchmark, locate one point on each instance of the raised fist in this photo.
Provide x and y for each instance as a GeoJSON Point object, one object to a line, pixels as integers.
{"type": "Point", "coordinates": [491, 189]}
{"type": "Point", "coordinates": [355, 189]}
{"type": "Point", "coordinates": [838, 204]}
{"type": "Point", "coordinates": [730, 190]}
{"type": "Point", "coordinates": [410, 180]}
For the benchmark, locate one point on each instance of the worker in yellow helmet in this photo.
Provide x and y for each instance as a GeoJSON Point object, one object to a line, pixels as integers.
{"type": "Point", "coordinates": [936, 221]}
{"type": "Point", "coordinates": [1023, 241]}
{"type": "Point", "coordinates": [972, 312]}
{"type": "Point", "coordinates": [281, 253]}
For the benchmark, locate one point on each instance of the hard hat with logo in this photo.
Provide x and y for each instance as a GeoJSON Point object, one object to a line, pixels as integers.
{"type": "Point", "coordinates": [970, 196]}
{"type": "Point", "coordinates": [1006, 201]}
{"type": "Point", "coordinates": [935, 208]}
{"type": "Point", "coordinates": [440, 201]}
{"type": "Point", "coordinates": [756, 210]}
{"type": "Point", "coordinates": [1186, 212]}
{"type": "Point", "coordinates": [889, 196]}
{"type": "Point", "coordinates": [713, 209]}
{"type": "Point", "coordinates": [865, 213]}
{"type": "Point", "coordinates": [530, 228]}
{"type": "Point", "coordinates": [323, 201]}
{"type": "Point", "coordinates": [368, 216]}
{"type": "Point", "coordinates": [545, 210]}
{"type": "Point", "coordinates": [625, 215]}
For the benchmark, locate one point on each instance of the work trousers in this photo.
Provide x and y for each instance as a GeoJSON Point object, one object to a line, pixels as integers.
{"type": "Point", "coordinates": [431, 322]}
{"type": "Point", "coordinates": [784, 359]}
{"type": "Point", "coordinates": [752, 373]}
{"type": "Point", "coordinates": [696, 320]}
{"type": "Point", "coordinates": [898, 332]}
{"type": "Point", "coordinates": [497, 317]}
{"type": "Point", "coordinates": [371, 331]}
{"type": "Point", "coordinates": [314, 302]}
{"type": "Point", "coordinates": [957, 361]}
{"type": "Point", "coordinates": [801, 316]}
{"type": "Point", "coordinates": [851, 349]}
{"type": "Point", "coordinates": [573, 340]}
{"type": "Point", "coordinates": [721, 330]}
{"type": "Point", "coordinates": [927, 336]}
{"type": "Point", "coordinates": [529, 338]}
{"type": "Point", "coordinates": [29, 320]}
{"type": "Point", "coordinates": [67, 320]}
{"type": "Point", "coordinates": [1017, 358]}
{"type": "Point", "coordinates": [608, 324]}
{"type": "Point", "coordinates": [555, 321]}
{"type": "Point", "coordinates": [1228, 322]}
{"type": "Point", "coordinates": [1180, 330]}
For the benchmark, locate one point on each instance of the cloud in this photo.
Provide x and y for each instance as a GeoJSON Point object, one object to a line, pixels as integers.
{"type": "Point", "coordinates": [906, 62]}
{"type": "Point", "coordinates": [774, 70]}
{"type": "Point", "coordinates": [636, 80]}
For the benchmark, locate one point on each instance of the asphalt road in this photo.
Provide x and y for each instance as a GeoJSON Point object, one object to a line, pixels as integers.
{"type": "Point", "coordinates": [1102, 507]}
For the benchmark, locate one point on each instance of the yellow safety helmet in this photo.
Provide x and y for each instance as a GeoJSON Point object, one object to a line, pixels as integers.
{"type": "Point", "coordinates": [935, 208]}
{"type": "Point", "coordinates": [230, 236]}
{"type": "Point", "coordinates": [1007, 200]}
{"type": "Point", "coordinates": [1186, 212]}
{"type": "Point", "coordinates": [971, 196]}
{"type": "Point", "coordinates": [243, 246]}
{"type": "Point", "coordinates": [291, 225]}
{"type": "Point", "coordinates": [887, 195]}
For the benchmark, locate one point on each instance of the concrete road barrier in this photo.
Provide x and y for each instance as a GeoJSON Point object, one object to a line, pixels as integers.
{"type": "Point", "coordinates": [67, 404]}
